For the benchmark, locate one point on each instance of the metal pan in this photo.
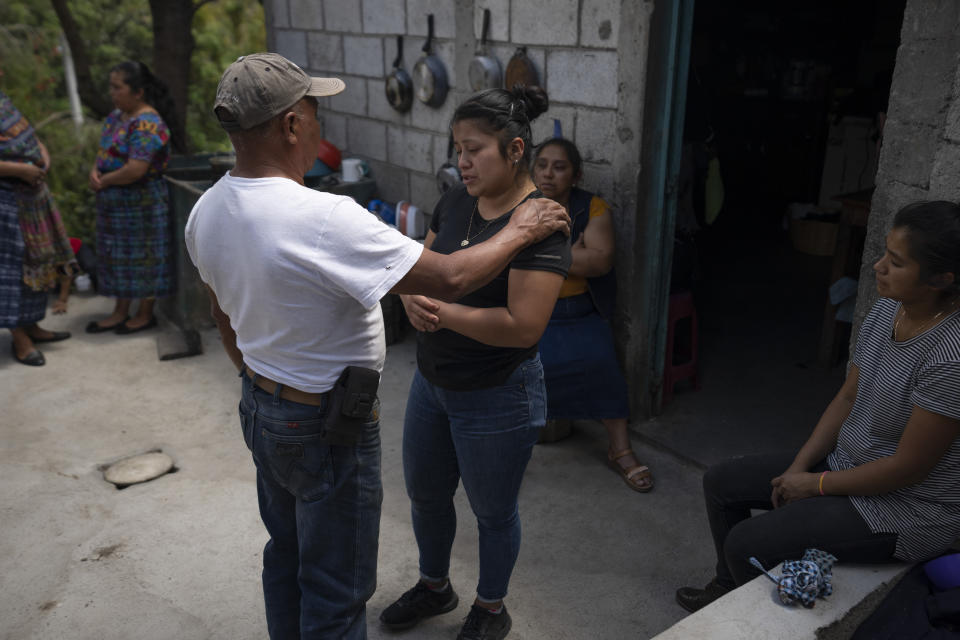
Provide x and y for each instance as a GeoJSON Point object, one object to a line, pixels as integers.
{"type": "Point", "coordinates": [399, 85]}
{"type": "Point", "coordinates": [448, 175]}
{"type": "Point", "coordinates": [429, 74]}
{"type": "Point", "coordinates": [520, 70]}
{"type": "Point", "coordinates": [485, 72]}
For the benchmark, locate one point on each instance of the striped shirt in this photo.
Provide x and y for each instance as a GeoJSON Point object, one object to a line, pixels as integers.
{"type": "Point", "coordinates": [923, 371]}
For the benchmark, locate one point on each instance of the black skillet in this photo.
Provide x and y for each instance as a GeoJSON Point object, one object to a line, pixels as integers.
{"type": "Point", "coordinates": [429, 74]}
{"type": "Point", "coordinates": [399, 86]}
{"type": "Point", "coordinates": [449, 174]}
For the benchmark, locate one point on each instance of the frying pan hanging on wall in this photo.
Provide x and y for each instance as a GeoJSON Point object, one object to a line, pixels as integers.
{"type": "Point", "coordinates": [449, 174]}
{"type": "Point", "coordinates": [399, 86]}
{"type": "Point", "coordinates": [429, 74]}
{"type": "Point", "coordinates": [485, 70]}
{"type": "Point", "coordinates": [520, 70]}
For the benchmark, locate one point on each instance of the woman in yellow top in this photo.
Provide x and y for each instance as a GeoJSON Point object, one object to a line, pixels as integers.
{"type": "Point", "coordinates": [580, 365]}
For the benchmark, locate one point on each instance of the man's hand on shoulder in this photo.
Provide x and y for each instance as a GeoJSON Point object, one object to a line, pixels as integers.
{"type": "Point", "coordinates": [538, 218]}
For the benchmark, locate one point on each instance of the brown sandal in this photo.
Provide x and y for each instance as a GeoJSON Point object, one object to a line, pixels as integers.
{"type": "Point", "coordinates": [634, 476]}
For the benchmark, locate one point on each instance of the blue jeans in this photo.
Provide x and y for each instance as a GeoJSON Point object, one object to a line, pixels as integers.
{"type": "Point", "coordinates": [321, 506]}
{"type": "Point", "coordinates": [484, 437]}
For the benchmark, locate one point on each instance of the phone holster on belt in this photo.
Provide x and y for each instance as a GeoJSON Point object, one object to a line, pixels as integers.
{"type": "Point", "coordinates": [352, 399]}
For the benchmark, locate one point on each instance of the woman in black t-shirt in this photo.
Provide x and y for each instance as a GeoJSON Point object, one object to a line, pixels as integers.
{"type": "Point", "coordinates": [478, 399]}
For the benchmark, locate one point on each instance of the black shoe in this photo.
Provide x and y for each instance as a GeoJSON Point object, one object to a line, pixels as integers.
{"type": "Point", "coordinates": [124, 329]}
{"type": "Point", "coordinates": [416, 604]}
{"type": "Point", "coordinates": [483, 625]}
{"type": "Point", "coordinates": [55, 336]}
{"type": "Point", "coordinates": [693, 599]}
{"type": "Point", "coordinates": [33, 359]}
{"type": "Point", "coordinates": [93, 327]}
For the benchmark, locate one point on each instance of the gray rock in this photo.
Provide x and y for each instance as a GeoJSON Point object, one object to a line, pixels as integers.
{"type": "Point", "coordinates": [139, 468]}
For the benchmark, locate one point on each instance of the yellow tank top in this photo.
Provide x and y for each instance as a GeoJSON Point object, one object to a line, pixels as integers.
{"type": "Point", "coordinates": [575, 285]}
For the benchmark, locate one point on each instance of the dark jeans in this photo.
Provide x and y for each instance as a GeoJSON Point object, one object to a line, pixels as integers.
{"type": "Point", "coordinates": [321, 506]}
{"type": "Point", "coordinates": [830, 523]}
{"type": "Point", "coordinates": [484, 437]}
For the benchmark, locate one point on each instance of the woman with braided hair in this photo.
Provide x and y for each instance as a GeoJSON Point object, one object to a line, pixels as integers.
{"type": "Point", "coordinates": [879, 477]}
{"type": "Point", "coordinates": [477, 401]}
{"type": "Point", "coordinates": [134, 240]}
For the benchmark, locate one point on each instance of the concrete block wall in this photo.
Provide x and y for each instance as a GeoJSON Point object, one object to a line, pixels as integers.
{"type": "Point", "coordinates": [573, 43]}
{"type": "Point", "coordinates": [920, 156]}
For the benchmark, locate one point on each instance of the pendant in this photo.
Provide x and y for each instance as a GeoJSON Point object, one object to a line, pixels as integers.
{"type": "Point", "coordinates": [464, 243]}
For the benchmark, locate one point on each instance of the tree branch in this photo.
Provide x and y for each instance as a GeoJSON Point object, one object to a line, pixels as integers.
{"type": "Point", "coordinates": [97, 103]}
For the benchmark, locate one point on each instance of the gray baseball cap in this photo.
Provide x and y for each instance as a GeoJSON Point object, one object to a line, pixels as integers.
{"type": "Point", "coordinates": [261, 85]}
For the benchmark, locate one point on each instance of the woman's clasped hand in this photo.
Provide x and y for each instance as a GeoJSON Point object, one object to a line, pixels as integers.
{"type": "Point", "coordinates": [793, 485]}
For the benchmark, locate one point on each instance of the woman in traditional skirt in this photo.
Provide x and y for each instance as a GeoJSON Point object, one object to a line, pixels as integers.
{"type": "Point", "coordinates": [33, 243]}
{"type": "Point", "coordinates": [134, 239]}
{"type": "Point", "coordinates": [579, 362]}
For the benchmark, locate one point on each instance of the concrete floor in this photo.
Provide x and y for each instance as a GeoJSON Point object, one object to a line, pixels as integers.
{"type": "Point", "coordinates": [179, 557]}
{"type": "Point", "coordinates": [761, 388]}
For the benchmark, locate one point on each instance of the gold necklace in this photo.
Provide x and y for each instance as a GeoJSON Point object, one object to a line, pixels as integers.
{"type": "Point", "coordinates": [929, 323]}
{"type": "Point", "coordinates": [466, 240]}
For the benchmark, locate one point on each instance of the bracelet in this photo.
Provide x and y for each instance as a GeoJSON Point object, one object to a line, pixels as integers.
{"type": "Point", "coordinates": [820, 485]}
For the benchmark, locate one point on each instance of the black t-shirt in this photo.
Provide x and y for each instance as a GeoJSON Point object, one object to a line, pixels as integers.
{"type": "Point", "coordinates": [451, 360]}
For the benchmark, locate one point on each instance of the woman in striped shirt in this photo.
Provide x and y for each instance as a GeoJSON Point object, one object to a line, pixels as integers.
{"type": "Point", "coordinates": [879, 478]}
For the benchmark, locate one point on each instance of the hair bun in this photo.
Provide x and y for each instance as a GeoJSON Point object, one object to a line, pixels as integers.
{"type": "Point", "coordinates": [534, 99]}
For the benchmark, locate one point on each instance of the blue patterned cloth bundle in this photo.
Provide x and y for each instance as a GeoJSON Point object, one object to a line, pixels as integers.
{"type": "Point", "coordinates": [804, 580]}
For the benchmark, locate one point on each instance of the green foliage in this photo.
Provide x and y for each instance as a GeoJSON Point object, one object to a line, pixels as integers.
{"type": "Point", "coordinates": [115, 30]}
{"type": "Point", "coordinates": [32, 67]}
{"type": "Point", "coordinates": [29, 60]}
{"type": "Point", "coordinates": [71, 157]}
{"type": "Point", "coordinates": [223, 31]}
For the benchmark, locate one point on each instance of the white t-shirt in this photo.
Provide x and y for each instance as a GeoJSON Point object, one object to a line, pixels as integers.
{"type": "Point", "coordinates": [300, 273]}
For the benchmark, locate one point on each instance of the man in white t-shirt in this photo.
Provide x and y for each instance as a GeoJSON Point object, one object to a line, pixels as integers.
{"type": "Point", "coordinates": [295, 277]}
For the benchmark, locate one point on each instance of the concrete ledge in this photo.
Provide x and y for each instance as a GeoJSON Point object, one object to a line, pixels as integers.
{"type": "Point", "coordinates": [754, 611]}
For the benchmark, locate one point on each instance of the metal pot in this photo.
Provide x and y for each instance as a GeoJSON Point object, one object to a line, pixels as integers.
{"type": "Point", "coordinates": [429, 74]}
{"type": "Point", "coordinates": [399, 86]}
{"type": "Point", "coordinates": [485, 72]}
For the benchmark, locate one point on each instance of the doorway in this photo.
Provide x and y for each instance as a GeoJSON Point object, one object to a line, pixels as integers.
{"type": "Point", "coordinates": [785, 102]}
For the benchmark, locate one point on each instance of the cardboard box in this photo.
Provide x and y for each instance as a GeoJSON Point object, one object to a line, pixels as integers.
{"type": "Point", "coordinates": [813, 236]}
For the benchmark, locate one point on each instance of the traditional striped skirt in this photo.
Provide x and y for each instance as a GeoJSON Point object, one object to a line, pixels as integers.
{"type": "Point", "coordinates": [134, 241]}
{"type": "Point", "coordinates": [19, 305]}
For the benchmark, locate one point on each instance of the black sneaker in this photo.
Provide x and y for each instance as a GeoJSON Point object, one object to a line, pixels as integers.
{"type": "Point", "coordinates": [416, 604]}
{"type": "Point", "coordinates": [483, 625]}
{"type": "Point", "coordinates": [693, 599]}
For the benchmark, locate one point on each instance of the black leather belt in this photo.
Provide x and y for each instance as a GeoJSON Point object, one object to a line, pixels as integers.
{"type": "Point", "coordinates": [287, 392]}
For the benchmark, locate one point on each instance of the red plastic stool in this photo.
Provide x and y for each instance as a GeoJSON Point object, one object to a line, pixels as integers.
{"type": "Point", "coordinates": [681, 359]}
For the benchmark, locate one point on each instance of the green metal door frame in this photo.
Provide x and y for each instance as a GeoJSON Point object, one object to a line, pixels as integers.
{"type": "Point", "coordinates": [665, 104]}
